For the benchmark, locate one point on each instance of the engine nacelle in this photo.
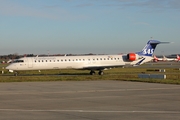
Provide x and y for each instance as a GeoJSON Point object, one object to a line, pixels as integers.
{"type": "Point", "coordinates": [132, 56]}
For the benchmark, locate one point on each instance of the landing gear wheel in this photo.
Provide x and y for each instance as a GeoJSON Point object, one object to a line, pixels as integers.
{"type": "Point", "coordinates": [15, 73]}
{"type": "Point", "coordinates": [101, 73]}
{"type": "Point", "coordinates": [92, 72]}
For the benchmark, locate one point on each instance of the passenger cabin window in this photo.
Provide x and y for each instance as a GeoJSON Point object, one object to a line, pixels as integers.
{"type": "Point", "coordinates": [18, 61]}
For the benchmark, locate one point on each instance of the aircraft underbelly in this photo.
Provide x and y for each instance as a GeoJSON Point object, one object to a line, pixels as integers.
{"type": "Point", "coordinates": [104, 64]}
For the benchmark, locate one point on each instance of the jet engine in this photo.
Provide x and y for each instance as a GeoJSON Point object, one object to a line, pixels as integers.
{"type": "Point", "coordinates": [132, 56]}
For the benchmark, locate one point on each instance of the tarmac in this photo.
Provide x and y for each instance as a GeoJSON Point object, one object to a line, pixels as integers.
{"type": "Point", "coordinates": [163, 64]}
{"type": "Point", "coordinates": [89, 100]}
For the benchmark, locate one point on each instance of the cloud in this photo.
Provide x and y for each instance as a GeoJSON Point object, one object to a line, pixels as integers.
{"type": "Point", "coordinates": [53, 12]}
{"type": "Point", "coordinates": [142, 23]}
{"type": "Point", "coordinates": [56, 12]}
{"type": "Point", "coordinates": [147, 4]}
{"type": "Point", "coordinates": [13, 9]}
{"type": "Point", "coordinates": [174, 4]}
{"type": "Point", "coordinates": [85, 5]}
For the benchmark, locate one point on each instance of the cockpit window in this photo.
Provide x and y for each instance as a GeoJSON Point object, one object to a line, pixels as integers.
{"type": "Point", "coordinates": [18, 61]}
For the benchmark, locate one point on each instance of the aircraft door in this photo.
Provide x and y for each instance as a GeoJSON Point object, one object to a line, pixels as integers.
{"type": "Point", "coordinates": [117, 59]}
{"type": "Point", "coordinates": [30, 62]}
{"type": "Point", "coordinates": [89, 61]}
{"type": "Point", "coordinates": [93, 60]}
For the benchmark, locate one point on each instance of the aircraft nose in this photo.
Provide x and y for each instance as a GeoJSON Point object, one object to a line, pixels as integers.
{"type": "Point", "coordinates": [8, 67]}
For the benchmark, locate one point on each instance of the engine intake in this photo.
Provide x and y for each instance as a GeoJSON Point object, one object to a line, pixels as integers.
{"type": "Point", "coordinates": [132, 56]}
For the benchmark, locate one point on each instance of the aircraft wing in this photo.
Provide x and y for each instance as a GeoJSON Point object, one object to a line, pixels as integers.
{"type": "Point", "coordinates": [101, 67]}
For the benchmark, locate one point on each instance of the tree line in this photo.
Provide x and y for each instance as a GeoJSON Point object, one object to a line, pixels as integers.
{"type": "Point", "coordinates": [14, 56]}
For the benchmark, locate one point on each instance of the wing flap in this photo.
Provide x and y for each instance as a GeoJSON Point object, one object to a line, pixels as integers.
{"type": "Point", "coordinates": [101, 67]}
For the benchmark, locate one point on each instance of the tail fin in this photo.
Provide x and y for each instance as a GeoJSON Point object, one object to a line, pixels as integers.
{"type": "Point", "coordinates": [177, 56]}
{"type": "Point", "coordinates": [164, 58]}
{"type": "Point", "coordinates": [150, 47]}
{"type": "Point", "coordinates": [155, 57]}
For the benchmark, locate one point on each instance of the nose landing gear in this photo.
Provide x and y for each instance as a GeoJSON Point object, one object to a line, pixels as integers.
{"type": "Point", "coordinates": [15, 73]}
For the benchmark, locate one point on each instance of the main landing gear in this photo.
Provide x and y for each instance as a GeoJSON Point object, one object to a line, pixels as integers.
{"type": "Point", "coordinates": [92, 72]}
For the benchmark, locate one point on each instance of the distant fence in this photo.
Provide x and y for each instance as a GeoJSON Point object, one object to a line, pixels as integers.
{"type": "Point", "coordinates": [158, 70]}
{"type": "Point", "coordinates": [155, 76]}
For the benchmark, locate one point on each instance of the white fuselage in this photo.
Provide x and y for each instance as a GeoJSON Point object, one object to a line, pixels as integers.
{"type": "Point", "coordinates": [164, 59]}
{"type": "Point", "coordinates": [91, 62]}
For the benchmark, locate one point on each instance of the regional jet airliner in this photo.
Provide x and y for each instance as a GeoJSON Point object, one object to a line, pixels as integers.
{"type": "Point", "coordinates": [86, 62]}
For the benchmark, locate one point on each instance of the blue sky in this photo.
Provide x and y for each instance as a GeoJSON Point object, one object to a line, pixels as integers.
{"type": "Point", "coordinates": [87, 26]}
